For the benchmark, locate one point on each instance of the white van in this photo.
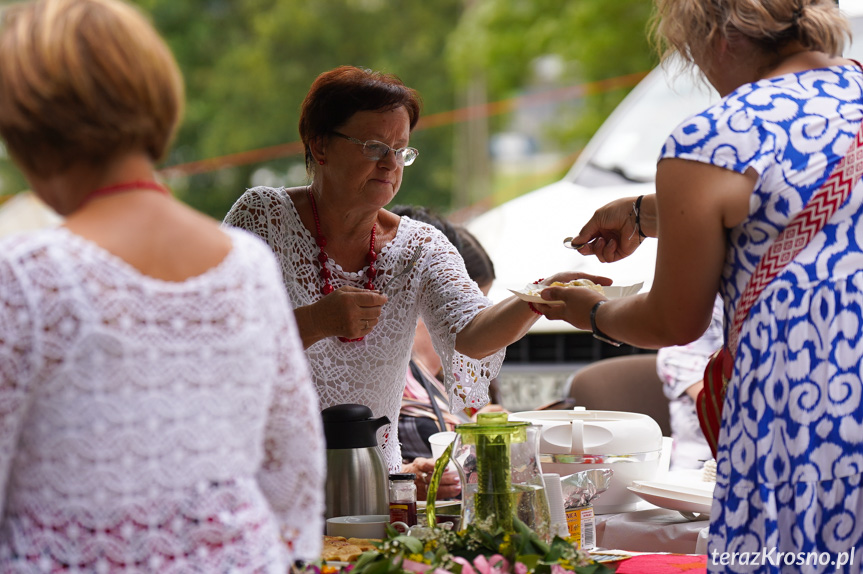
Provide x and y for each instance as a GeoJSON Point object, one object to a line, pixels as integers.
{"type": "Point", "coordinates": [524, 236]}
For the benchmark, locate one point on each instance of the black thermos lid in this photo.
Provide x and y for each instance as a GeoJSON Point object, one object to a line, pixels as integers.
{"type": "Point", "coordinates": [351, 426]}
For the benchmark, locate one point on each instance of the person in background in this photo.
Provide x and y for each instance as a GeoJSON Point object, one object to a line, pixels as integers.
{"type": "Point", "coordinates": [681, 370]}
{"type": "Point", "coordinates": [422, 351]}
{"type": "Point", "coordinates": [728, 182]}
{"type": "Point", "coordinates": [359, 275]}
{"type": "Point", "coordinates": [479, 267]}
{"type": "Point", "coordinates": [424, 403]}
{"type": "Point", "coordinates": [156, 410]}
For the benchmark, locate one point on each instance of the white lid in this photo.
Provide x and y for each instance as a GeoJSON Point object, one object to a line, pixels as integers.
{"type": "Point", "coordinates": [581, 431]}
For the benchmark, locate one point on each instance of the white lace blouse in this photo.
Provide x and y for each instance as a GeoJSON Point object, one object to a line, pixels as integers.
{"type": "Point", "coordinates": [372, 371]}
{"type": "Point", "coordinates": [152, 426]}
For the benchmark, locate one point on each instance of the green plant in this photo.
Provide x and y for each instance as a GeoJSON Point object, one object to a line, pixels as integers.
{"type": "Point", "coordinates": [477, 549]}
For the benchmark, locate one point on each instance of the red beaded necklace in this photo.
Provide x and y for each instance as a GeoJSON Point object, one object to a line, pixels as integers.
{"type": "Point", "coordinates": [142, 185]}
{"type": "Point", "coordinates": [321, 240]}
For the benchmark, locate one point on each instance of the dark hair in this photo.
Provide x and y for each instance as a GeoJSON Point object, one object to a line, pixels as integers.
{"type": "Point", "coordinates": [425, 215]}
{"type": "Point", "coordinates": [337, 95]}
{"type": "Point", "coordinates": [476, 260]}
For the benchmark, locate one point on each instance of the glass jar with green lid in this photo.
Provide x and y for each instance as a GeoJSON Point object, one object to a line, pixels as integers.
{"type": "Point", "coordinates": [500, 472]}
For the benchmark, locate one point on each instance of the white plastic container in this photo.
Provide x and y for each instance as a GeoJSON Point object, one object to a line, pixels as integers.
{"type": "Point", "coordinates": [630, 444]}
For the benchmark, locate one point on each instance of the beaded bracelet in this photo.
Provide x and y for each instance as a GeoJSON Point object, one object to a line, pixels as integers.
{"type": "Point", "coordinates": [529, 304]}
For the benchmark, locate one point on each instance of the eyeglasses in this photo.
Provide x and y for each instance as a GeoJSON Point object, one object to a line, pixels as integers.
{"type": "Point", "coordinates": [376, 151]}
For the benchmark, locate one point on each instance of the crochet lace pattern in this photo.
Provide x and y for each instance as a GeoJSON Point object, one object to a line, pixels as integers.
{"type": "Point", "coordinates": [372, 371]}
{"type": "Point", "coordinates": [148, 425]}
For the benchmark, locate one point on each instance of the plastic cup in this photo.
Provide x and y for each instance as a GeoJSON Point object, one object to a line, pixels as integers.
{"type": "Point", "coordinates": [439, 441]}
{"type": "Point", "coordinates": [557, 513]}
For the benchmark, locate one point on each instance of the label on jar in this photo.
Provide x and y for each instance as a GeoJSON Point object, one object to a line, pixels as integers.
{"type": "Point", "coordinates": [403, 511]}
{"type": "Point", "coordinates": [582, 527]}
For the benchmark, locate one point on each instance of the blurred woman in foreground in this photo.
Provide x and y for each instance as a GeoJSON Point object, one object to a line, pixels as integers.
{"type": "Point", "coordinates": [156, 410]}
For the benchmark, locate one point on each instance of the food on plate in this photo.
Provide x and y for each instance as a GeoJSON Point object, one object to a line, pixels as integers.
{"type": "Point", "coordinates": [341, 549]}
{"type": "Point", "coordinates": [579, 283]}
{"type": "Point", "coordinates": [537, 289]}
{"type": "Point", "coordinates": [364, 543]}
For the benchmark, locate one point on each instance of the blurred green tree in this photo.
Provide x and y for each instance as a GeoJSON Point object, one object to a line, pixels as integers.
{"type": "Point", "coordinates": [11, 179]}
{"type": "Point", "coordinates": [249, 63]}
{"type": "Point", "coordinates": [595, 40]}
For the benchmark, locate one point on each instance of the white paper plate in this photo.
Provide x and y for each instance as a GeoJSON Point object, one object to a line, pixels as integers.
{"type": "Point", "coordinates": [697, 489]}
{"type": "Point", "coordinates": [612, 292]}
{"type": "Point", "coordinates": [694, 499]}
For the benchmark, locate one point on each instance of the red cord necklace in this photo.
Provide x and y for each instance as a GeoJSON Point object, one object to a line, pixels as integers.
{"type": "Point", "coordinates": [321, 240]}
{"type": "Point", "coordinates": [141, 185]}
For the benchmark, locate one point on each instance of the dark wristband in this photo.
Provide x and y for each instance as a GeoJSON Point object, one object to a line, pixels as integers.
{"type": "Point", "coordinates": [597, 334]}
{"type": "Point", "coordinates": [638, 217]}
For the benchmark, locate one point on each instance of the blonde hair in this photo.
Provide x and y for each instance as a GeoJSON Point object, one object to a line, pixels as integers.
{"type": "Point", "coordinates": [84, 80]}
{"type": "Point", "coordinates": [688, 27]}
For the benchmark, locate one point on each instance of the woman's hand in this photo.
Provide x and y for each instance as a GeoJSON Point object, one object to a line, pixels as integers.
{"type": "Point", "coordinates": [577, 300]}
{"type": "Point", "coordinates": [489, 408]}
{"type": "Point", "coordinates": [348, 312]}
{"type": "Point", "coordinates": [450, 484]}
{"type": "Point", "coordinates": [611, 234]}
{"type": "Point", "coordinates": [507, 321]}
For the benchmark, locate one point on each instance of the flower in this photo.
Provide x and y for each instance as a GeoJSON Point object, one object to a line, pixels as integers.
{"type": "Point", "coordinates": [497, 564]}
{"type": "Point", "coordinates": [478, 549]}
{"type": "Point", "coordinates": [412, 566]}
{"type": "Point", "coordinates": [466, 567]}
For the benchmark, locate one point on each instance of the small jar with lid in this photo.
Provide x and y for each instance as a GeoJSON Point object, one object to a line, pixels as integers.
{"type": "Point", "coordinates": [403, 498]}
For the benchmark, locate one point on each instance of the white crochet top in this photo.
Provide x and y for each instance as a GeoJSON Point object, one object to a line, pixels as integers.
{"type": "Point", "coordinates": [372, 371]}
{"type": "Point", "coordinates": [152, 426]}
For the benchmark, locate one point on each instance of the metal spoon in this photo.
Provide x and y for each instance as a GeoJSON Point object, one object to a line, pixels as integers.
{"type": "Point", "coordinates": [568, 243]}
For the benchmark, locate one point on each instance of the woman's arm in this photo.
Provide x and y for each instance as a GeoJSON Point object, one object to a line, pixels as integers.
{"type": "Point", "coordinates": [696, 203]}
{"type": "Point", "coordinates": [16, 344]}
{"type": "Point", "coordinates": [506, 322]}
{"type": "Point", "coordinates": [292, 473]}
{"type": "Point", "coordinates": [454, 308]}
{"type": "Point", "coordinates": [495, 327]}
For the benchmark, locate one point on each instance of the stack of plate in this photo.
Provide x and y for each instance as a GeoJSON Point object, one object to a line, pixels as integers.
{"type": "Point", "coordinates": [686, 496]}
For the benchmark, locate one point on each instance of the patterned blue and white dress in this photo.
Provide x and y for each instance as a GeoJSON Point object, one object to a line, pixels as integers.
{"type": "Point", "coordinates": [790, 459]}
